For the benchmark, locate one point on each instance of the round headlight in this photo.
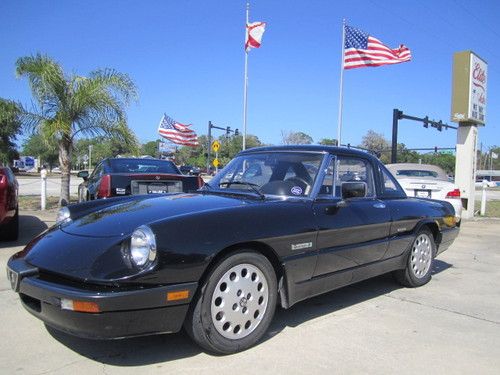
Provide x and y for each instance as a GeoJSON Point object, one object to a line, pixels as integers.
{"type": "Point", "coordinates": [142, 246]}
{"type": "Point", "coordinates": [63, 215]}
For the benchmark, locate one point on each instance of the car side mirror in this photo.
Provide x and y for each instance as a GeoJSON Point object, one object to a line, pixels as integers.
{"type": "Point", "coordinates": [84, 175]}
{"type": "Point", "coordinates": [353, 189]}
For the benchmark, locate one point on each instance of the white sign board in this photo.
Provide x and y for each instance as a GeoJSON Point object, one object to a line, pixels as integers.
{"type": "Point", "coordinates": [477, 87]}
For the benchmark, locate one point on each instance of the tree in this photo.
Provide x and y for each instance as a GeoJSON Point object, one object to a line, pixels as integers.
{"type": "Point", "coordinates": [45, 149]}
{"type": "Point", "coordinates": [376, 143]}
{"type": "Point", "coordinates": [328, 142]}
{"type": "Point", "coordinates": [72, 105]}
{"type": "Point", "coordinates": [10, 126]}
{"type": "Point", "coordinates": [150, 148]}
{"type": "Point", "coordinates": [295, 138]}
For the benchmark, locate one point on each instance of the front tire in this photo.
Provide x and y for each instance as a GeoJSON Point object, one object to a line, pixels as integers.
{"type": "Point", "coordinates": [420, 261]}
{"type": "Point", "coordinates": [235, 305]}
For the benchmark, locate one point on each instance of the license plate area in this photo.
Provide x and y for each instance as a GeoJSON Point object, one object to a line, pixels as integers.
{"type": "Point", "coordinates": [155, 187]}
{"type": "Point", "coordinates": [422, 193]}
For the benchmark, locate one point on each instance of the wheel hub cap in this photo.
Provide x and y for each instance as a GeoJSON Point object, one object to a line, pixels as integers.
{"type": "Point", "coordinates": [421, 256]}
{"type": "Point", "coordinates": [239, 301]}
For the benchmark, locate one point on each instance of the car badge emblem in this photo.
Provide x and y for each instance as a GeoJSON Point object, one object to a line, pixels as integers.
{"type": "Point", "coordinates": [157, 177]}
{"type": "Point", "coordinates": [423, 186]}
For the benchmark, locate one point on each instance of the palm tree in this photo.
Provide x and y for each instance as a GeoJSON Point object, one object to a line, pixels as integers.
{"type": "Point", "coordinates": [72, 106]}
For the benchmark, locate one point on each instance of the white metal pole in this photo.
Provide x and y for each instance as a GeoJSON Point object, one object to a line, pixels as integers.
{"type": "Point", "coordinates": [341, 91]}
{"type": "Point", "coordinates": [483, 199]}
{"type": "Point", "coordinates": [43, 175]}
{"type": "Point", "coordinates": [245, 83]}
{"type": "Point", "coordinates": [491, 165]}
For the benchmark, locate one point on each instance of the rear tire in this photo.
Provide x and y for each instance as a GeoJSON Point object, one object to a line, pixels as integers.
{"type": "Point", "coordinates": [234, 306]}
{"type": "Point", "coordinates": [420, 261]}
{"type": "Point", "coordinates": [11, 231]}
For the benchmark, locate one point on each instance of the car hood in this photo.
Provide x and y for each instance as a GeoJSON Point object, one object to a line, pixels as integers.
{"type": "Point", "coordinates": [89, 248]}
{"type": "Point", "coordinates": [123, 218]}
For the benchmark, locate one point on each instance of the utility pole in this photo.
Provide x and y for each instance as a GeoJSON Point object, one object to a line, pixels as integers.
{"type": "Point", "coordinates": [90, 156]}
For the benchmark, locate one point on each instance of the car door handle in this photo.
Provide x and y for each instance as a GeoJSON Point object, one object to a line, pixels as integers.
{"type": "Point", "coordinates": [379, 205]}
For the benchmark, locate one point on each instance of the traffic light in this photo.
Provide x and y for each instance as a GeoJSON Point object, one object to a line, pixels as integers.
{"type": "Point", "coordinates": [440, 126]}
{"type": "Point", "coordinates": [426, 121]}
{"type": "Point", "coordinates": [236, 132]}
{"type": "Point", "coordinates": [228, 131]}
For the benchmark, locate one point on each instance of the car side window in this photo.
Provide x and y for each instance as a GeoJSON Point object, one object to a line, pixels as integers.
{"type": "Point", "coordinates": [327, 187]}
{"type": "Point", "coordinates": [352, 169]}
{"type": "Point", "coordinates": [97, 172]}
{"type": "Point", "coordinates": [389, 186]}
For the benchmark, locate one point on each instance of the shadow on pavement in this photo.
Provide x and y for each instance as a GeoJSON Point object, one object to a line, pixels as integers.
{"type": "Point", "coordinates": [162, 348]}
{"type": "Point", "coordinates": [137, 351]}
{"type": "Point", "coordinates": [29, 227]}
{"type": "Point", "coordinates": [440, 266]}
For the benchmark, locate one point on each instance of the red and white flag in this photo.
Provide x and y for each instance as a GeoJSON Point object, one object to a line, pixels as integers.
{"type": "Point", "coordinates": [253, 38]}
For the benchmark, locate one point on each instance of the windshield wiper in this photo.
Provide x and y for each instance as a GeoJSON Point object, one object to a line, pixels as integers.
{"type": "Point", "coordinates": [249, 184]}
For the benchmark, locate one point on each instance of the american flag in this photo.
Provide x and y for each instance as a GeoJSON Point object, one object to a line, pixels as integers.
{"type": "Point", "coordinates": [176, 132]}
{"type": "Point", "coordinates": [362, 50]}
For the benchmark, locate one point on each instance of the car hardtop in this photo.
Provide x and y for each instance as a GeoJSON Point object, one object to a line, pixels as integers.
{"type": "Point", "coordinates": [312, 148]}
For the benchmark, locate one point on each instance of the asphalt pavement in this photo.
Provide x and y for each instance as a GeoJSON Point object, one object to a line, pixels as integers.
{"type": "Point", "coordinates": [449, 326]}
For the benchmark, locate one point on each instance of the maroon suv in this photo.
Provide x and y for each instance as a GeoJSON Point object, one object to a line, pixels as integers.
{"type": "Point", "coordinates": [9, 210]}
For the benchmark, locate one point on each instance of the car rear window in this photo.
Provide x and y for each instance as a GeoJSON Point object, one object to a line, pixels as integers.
{"type": "Point", "coordinates": [143, 166]}
{"type": "Point", "coordinates": [416, 173]}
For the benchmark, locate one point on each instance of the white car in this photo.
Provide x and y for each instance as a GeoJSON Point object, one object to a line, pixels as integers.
{"type": "Point", "coordinates": [427, 181]}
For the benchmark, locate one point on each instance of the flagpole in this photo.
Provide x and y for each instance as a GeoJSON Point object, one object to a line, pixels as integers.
{"type": "Point", "coordinates": [245, 84]}
{"type": "Point", "coordinates": [341, 91]}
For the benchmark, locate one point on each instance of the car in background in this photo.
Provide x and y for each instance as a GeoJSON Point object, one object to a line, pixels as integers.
{"type": "Point", "coordinates": [9, 207]}
{"type": "Point", "coordinates": [115, 177]}
{"type": "Point", "coordinates": [486, 182]}
{"type": "Point", "coordinates": [190, 170]}
{"type": "Point", "coordinates": [277, 225]}
{"type": "Point", "coordinates": [427, 181]}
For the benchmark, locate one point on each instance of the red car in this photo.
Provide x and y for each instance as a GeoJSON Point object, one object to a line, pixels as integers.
{"type": "Point", "coordinates": [9, 210]}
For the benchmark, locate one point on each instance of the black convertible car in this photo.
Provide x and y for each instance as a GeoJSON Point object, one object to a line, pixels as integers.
{"type": "Point", "coordinates": [276, 225]}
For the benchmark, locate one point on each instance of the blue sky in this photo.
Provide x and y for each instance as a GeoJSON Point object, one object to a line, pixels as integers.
{"type": "Point", "coordinates": [187, 59]}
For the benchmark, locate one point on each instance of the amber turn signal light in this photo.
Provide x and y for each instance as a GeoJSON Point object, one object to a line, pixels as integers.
{"type": "Point", "coordinates": [177, 295]}
{"type": "Point", "coordinates": [80, 306]}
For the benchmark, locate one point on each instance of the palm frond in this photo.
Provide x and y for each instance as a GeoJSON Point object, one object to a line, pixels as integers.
{"type": "Point", "coordinates": [46, 79]}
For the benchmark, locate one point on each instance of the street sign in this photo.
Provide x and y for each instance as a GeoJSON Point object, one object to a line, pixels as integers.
{"type": "Point", "coordinates": [215, 146]}
{"type": "Point", "coordinates": [216, 163]}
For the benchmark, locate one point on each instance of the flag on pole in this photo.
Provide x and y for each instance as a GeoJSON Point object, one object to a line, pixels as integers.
{"type": "Point", "coordinates": [362, 50]}
{"type": "Point", "coordinates": [176, 132]}
{"type": "Point", "coordinates": [254, 33]}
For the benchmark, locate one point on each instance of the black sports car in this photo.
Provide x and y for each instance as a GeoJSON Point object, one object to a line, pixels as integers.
{"type": "Point", "coordinates": [114, 177]}
{"type": "Point", "coordinates": [276, 225]}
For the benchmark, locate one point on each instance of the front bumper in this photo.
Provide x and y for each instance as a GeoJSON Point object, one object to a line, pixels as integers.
{"type": "Point", "coordinates": [123, 313]}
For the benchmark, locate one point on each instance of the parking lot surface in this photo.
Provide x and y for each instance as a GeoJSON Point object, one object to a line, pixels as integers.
{"type": "Point", "coordinates": [451, 325]}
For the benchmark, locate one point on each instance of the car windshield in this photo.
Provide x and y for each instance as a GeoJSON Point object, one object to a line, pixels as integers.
{"type": "Point", "coordinates": [273, 173]}
{"type": "Point", "coordinates": [143, 166]}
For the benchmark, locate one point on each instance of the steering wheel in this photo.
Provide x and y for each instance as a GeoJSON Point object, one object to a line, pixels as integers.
{"type": "Point", "coordinates": [301, 182]}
